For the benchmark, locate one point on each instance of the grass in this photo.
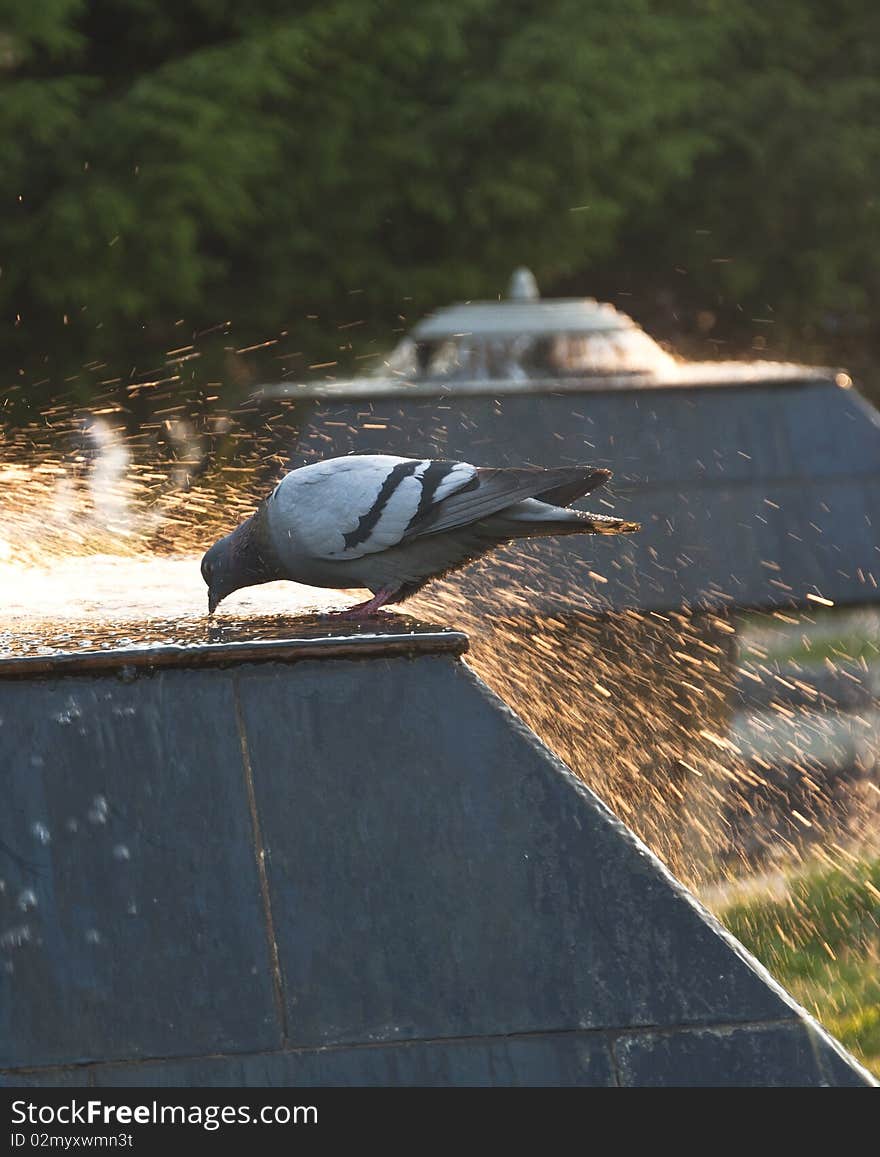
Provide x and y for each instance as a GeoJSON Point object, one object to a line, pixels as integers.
{"type": "Point", "coordinates": [845, 648]}
{"type": "Point", "coordinates": [821, 940]}
{"type": "Point", "coordinates": [841, 634]}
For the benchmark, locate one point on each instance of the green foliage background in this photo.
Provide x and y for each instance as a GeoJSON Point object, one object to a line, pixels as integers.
{"type": "Point", "coordinates": [203, 161]}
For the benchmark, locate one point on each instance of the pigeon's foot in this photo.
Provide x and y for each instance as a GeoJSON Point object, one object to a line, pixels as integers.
{"type": "Point", "coordinates": [366, 610]}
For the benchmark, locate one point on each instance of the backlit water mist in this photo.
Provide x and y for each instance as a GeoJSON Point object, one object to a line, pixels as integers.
{"type": "Point", "coordinates": [736, 748]}
{"type": "Point", "coordinates": [100, 546]}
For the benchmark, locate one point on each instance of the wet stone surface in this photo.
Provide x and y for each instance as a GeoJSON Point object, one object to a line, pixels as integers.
{"type": "Point", "coordinates": [267, 860]}
{"type": "Point", "coordinates": [130, 908]}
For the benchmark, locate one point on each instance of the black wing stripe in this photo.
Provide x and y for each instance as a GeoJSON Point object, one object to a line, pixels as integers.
{"type": "Point", "coordinates": [367, 521]}
{"type": "Point", "coordinates": [428, 509]}
{"type": "Point", "coordinates": [431, 480]}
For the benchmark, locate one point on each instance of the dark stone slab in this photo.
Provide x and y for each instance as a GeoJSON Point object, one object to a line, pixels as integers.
{"type": "Point", "coordinates": [720, 478]}
{"type": "Point", "coordinates": [720, 544]}
{"type": "Point", "coordinates": [445, 903]}
{"type": "Point", "coordinates": [131, 921]}
{"type": "Point", "coordinates": [435, 871]}
{"type": "Point", "coordinates": [795, 429]}
{"type": "Point", "coordinates": [795, 1054]}
{"type": "Point", "coordinates": [561, 1060]}
{"type": "Point", "coordinates": [678, 556]}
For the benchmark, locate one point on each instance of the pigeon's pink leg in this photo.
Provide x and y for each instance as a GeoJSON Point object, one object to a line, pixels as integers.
{"type": "Point", "coordinates": [365, 610]}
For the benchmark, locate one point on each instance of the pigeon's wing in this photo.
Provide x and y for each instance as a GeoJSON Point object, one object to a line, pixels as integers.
{"type": "Point", "coordinates": [345, 508]}
{"type": "Point", "coordinates": [493, 490]}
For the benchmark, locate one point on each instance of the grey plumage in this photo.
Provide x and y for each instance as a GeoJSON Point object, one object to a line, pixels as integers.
{"type": "Point", "coordinates": [391, 524]}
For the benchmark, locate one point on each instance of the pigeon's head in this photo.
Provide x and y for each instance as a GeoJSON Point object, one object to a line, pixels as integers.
{"type": "Point", "coordinates": [220, 572]}
{"type": "Point", "coordinates": [243, 558]}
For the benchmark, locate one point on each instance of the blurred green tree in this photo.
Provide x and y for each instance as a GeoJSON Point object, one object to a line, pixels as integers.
{"type": "Point", "coordinates": [211, 161]}
{"type": "Point", "coordinates": [779, 217]}
{"type": "Point", "coordinates": [200, 158]}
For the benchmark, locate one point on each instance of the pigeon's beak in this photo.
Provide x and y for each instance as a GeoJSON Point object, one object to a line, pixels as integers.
{"type": "Point", "coordinates": [213, 601]}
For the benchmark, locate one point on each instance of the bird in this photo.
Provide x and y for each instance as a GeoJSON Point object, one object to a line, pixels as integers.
{"type": "Point", "coordinates": [390, 524]}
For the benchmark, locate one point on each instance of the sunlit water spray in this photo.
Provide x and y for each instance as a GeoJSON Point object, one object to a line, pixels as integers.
{"type": "Point", "coordinates": [714, 738]}
{"type": "Point", "coordinates": [100, 546]}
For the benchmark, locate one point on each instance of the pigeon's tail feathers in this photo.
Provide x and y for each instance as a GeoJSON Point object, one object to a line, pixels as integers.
{"type": "Point", "coordinates": [492, 490]}
{"type": "Point", "coordinates": [582, 480]}
{"type": "Point", "coordinates": [537, 519]}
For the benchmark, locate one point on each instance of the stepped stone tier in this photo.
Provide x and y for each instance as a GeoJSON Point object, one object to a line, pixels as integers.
{"type": "Point", "coordinates": [344, 861]}
{"type": "Point", "coordinates": [757, 483]}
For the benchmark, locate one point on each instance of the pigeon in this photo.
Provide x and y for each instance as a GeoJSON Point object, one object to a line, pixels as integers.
{"type": "Point", "coordinates": [392, 524]}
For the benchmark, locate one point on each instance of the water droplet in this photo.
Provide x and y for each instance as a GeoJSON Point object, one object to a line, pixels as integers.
{"type": "Point", "coordinates": [71, 712]}
{"type": "Point", "coordinates": [93, 936]}
{"type": "Point", "coordinates": [15, 937]}
{"type": "Point", "coordinates": [8, 967]}
{"type": "Point", "coordinates": [99, 809]}
{"type": "Point", "coordinates": [72, 824]}
{"type": "Point", "coordinates": [123, 712]}
{"type": "Point", "coordinates": [27, 899]}
{"type": "Point", "coordinates": [121, 852]}
{"type": "Point", "coordinates": [132, 908]}
{"type": "Point", "coordinates": [41, 833]}
{"type": "Point", "coordinates": [37, 761]}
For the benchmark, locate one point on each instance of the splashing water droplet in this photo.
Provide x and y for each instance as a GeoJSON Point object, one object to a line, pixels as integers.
{"type": "Point", "coordinates": [41, 833]}
{"type": "Point", "coordinates": [15, 937]}
{"type": "Point", "coordinates": [27, 899]}
{"type": "Point", "coordinates": [121, 852]}
{"type": "Point", "coordinates": [69, 714]}
{"type": "Point", "coordinates": [99, 809]}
